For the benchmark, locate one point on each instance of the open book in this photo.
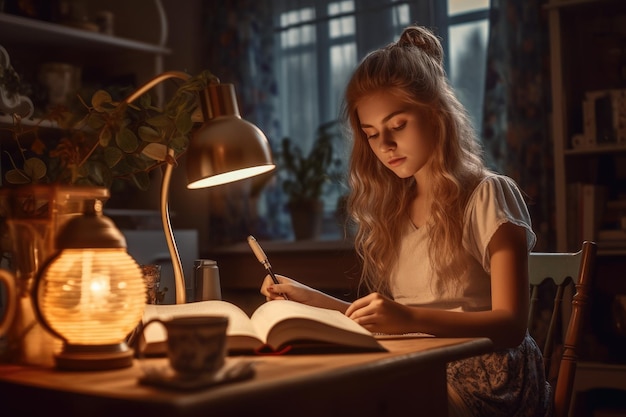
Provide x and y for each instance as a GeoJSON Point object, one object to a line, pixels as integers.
{"type": "Point", "coordinates": [276, 326]}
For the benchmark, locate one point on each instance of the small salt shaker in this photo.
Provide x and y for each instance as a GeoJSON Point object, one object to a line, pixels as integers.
{"type": "Point", "coordinates": [206, 280]}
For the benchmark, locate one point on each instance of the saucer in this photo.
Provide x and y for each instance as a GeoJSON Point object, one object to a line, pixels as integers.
{"type": "Point", "coordinates": [165, 377]}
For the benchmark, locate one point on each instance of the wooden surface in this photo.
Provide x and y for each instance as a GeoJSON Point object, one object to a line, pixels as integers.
{"type": "Point", "coordinates": [410, 378]}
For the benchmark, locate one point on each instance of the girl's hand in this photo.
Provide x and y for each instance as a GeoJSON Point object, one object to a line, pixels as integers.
{"type": "Point", "coordinates": [380, 314]}
{"type": "Point", "coordinates": [294, 290]}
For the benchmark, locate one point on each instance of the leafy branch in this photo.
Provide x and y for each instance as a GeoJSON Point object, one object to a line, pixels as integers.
{"type": "Point", "coordinates": [105, 140]}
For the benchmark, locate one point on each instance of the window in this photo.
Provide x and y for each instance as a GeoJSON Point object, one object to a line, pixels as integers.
{"type": "Point", "coordinates": [316, 54]}
{"type": "Point", "coordinates": [319, 42]}
{"type": "Point", "coordinates": [468, 30]}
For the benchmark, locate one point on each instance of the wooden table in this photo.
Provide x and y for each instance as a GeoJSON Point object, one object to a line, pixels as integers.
{"type": "Point", "coordinates": [410, 379]}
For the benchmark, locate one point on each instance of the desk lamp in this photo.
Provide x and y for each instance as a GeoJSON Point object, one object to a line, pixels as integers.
{"type": "Point", "coordinates": [224, 149]}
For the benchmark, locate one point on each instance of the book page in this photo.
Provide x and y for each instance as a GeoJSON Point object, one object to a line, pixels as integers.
{"type": "Point", "coordinates": [272, 312]}
{"type": "Point", "coordinates": [289, 321]}
{"type": "Point", "coordinates": [239, 326]}
{"type": "Point", "coordinates": [391, 336]}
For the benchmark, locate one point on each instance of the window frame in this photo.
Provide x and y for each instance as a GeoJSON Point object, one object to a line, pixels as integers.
{"type": "Point", "coordinates": [366, 13]}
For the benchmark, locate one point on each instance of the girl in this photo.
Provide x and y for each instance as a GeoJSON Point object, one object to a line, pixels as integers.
{"type": "Point", "coordinates": [444, 243]}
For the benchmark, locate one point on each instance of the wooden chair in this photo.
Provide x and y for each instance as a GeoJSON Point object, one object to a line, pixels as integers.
{"type": "Point", "coordinates": [565, 270]}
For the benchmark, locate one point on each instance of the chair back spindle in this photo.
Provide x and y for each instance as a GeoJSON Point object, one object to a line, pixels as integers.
{"type": "Point", "coordinates": [563, 269]}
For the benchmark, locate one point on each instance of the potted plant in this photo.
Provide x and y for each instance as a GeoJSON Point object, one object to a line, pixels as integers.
{"type": "Point", "coordinates": [105, 139]}
{"type": "Point", "coordinates": [303, 179]}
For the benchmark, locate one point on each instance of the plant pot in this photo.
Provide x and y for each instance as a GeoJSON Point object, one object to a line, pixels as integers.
{"type": "Point", "coordinates": [306, 218]}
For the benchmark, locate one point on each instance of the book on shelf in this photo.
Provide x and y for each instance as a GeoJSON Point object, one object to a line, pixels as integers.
{"type": "Point", "coordinates": [612, 233]}
{"type": "Point", "coordinates": [592, 210]}
{"type": "Point", "coordinates": [586, 208]}
{"type": "Point", "coordinates": [603, 118]}
{"type": "Point", "coordinates": [279, 326]}
{"type": "Point", "coordinates": [611, 239]}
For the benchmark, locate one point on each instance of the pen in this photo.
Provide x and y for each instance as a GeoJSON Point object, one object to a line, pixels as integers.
{"type": "Point", "coordinates": [262, 257]}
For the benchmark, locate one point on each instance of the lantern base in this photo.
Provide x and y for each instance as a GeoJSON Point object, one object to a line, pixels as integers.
{"type": "Point", "coordinates": [94, 357]}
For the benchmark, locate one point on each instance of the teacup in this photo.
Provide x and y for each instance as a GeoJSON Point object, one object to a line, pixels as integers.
{"type": "Point", "coordinates": [195, 344]}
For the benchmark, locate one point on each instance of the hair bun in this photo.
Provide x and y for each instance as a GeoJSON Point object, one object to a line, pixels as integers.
{"type": "Point", "coordinates": [423, 39]}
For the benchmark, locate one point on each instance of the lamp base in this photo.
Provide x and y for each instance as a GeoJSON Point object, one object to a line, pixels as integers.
{"type": "Point", "coordinates": [94, 357]}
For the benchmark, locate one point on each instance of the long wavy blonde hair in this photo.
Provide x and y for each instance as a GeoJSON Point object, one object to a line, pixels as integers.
{"type": "Point", "coordinates": [379, 203]}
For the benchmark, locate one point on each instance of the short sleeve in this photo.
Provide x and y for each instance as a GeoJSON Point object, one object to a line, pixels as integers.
{"type": "Point", "coordinates": [495, 201]}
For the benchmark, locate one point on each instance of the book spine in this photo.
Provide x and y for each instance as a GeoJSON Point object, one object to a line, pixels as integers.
{"type": "Point", "coordinates": [588, 212]}
{"type": "Point", "coordinates": [573, 215]}
{"type": "Point", "coordinates": [618, 98]}
{"type": "Point", "coordinates": [592, 210]}
{"type": "Point", "coordinates": [589, 120]}
{"type": "Point", "coordinates": [604, 118]}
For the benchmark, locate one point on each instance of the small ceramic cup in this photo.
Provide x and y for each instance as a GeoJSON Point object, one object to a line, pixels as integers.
{"type": "Point", "coordinates": [196, 345]}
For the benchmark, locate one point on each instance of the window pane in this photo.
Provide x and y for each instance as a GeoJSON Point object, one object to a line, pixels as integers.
{"type": "Point", "coordinates": [341, 26]}
{"type": "Point", "coordinates": [297, 83]}
{"type": "Point", "coordinates": [465, 6]}
{"type": "Point", "coordinates": [341, 53]}
{"type": "Point", "coordinates": [340, 7]}
{"type": "Point", "coordinates": [296, 16]}
{"type": "Point", "coordinates": [468, 50]}
{"type": "Point", "coordinates": [401, 16]}
{"type": "Point", "coordinates": [298, 35]}
{"type": "Point", "coordinates": [342, 61]}
{"type": "Point", "coordinates": [344, 25]}
{"type": "Point", "coordinates": [298, 96]}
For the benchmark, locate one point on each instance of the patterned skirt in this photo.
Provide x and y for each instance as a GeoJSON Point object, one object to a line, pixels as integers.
{"type": "Point", "coordinates": [506, 383]}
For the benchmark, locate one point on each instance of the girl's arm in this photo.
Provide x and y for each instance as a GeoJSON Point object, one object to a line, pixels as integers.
{"type": "Point", "coordinates": [504, 324]}
{"type": "Point", "coordinates": [301, 293]}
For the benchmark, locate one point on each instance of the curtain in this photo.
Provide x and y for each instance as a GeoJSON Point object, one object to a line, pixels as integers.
{"type": "Point", "coordinates": [239, 50]}
{"type": "Point", "coordinates": [516, 118]}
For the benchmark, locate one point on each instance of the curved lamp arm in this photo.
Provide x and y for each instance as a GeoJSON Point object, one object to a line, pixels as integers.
{"type": "Point", "coordinates": [179, 277]}
{"type": "Point", "coordinates": [177, 266]}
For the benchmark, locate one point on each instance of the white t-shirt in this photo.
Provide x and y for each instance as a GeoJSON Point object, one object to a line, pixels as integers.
{"type": "Point", "coordinates": [496, 200]}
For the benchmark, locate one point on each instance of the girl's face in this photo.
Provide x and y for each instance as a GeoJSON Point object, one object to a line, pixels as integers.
{"type": "Point", "coordinates": [396, 133]}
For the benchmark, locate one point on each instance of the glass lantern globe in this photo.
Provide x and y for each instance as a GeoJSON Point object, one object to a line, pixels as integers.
{"type": "Point", "coordinates": [91, 294]}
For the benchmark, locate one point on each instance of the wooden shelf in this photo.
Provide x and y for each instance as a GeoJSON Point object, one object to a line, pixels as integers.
{"type": "Point", "coordinates": [31, 31]}
{"type": "Point", "coordinates": [612, 252]}
{"type": "Point", "coordinates": [609, 148]}
{"type": "Point", "coordinates": [102, 59]}
{"type": "Point", "coordinates": [7, 120]}
{"type": "Point", "coordinates": [558, 4]}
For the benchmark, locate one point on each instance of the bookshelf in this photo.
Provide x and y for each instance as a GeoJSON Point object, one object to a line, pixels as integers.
{"type": "Point", "coordinates": [101, 58]}
{"type": "Point", "coordinates": [588, 74]}
{"type": "Point", "coordinates": [588, 64]}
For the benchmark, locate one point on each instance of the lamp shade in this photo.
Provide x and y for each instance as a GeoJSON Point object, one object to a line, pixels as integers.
{"type": "Point", "coordinates": [225, 148]}
{"type": "Point", "coordinates": [91, 294]}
